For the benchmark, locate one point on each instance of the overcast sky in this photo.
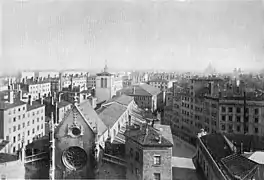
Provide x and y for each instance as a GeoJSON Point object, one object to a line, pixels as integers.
{"type": "Point", "coordinates": [136, 34]}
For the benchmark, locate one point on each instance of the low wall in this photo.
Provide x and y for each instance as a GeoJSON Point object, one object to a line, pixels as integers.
{"type": "Point", "coordinates": [13, 170]}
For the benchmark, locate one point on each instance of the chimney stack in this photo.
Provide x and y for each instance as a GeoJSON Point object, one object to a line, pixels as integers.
{"type": "Point", "coordinates": [59, 97]}
{"type": "Point", "coordinates": [134, 90]}
{"type": "Point", "coordinates": [52, 100]}
{"type": "Point", "coordinates": [30, 100]}
{"type": "Point", "coordinates": [160, 136]}
{"type": "Point", "coordinates": [11, 96]}
{"type": "Point", "coordinates": [41, 100]}
{"type": "Point", "coordinates": [18, 87]}
{"type": "Point", "coordinates": [20, 95]}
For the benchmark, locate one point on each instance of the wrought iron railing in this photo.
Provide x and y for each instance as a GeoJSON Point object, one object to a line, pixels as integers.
{"type": "Point", "coordinates": [36, 157]}
{"type": "Point", "coordinates": [114, 159]}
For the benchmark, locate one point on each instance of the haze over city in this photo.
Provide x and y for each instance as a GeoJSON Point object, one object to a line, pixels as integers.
{"type": "Point", "coordinates": [170, 35]}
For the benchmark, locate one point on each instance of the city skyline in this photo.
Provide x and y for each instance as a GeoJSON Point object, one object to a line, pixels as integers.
{"type": "Point", "coordinates": [169, 35]}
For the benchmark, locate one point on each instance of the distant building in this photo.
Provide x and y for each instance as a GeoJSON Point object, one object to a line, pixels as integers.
{"type": "Point", "coordinates": [148, 152]}
{"type": "Point", "coordinates": [47, 74]}
{"type": "Point", "coordinates": [91, 81]}
{"type": "Point", "coordinates": [146, 96]}
{"type": "Point", "coordinates": [162, 84]}
{"type": "Point", "coordinates": [36, 88]}
{"type": "Point", "coordinates": [18, 119]}
{"type": "Point", "coordinates": [27, 75]}
{"type": "Point", "coordinates": [229, 156]}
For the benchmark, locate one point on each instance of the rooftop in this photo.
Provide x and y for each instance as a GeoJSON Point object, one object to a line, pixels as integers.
{"type": "Point", "coordinates": [4, 157]}
{"type": "Point", "coordinates": [6, 105]}
{"type": "Point", "coordinates": [104, 74]}
{"type": "Point", "coordinates": [141, 90]}
{"type": "Point", "coordinates": [35, 105]}
{"type": "Point", "coordinates": [159, 80]}
{"type": "Point", "coordinates": [3, 143]}
{"type": "Point", "coordinates": [148, 136]}
{"type": "Point", "coordinates": [123, 99]}
{"type": "Point", "coordinates": [233, 165]}
{"type": "Point", "coordinates": [92, 117]}
{"type": "Point", "coordinates": [111, 113]}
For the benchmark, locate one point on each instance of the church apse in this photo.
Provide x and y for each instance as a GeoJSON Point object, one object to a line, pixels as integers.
{"type": "Point", "coordinates": [74, 145]}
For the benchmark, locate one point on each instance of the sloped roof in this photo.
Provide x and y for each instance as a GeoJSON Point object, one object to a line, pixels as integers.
{"type": "Point", "coordinates": [148, 136]}
{"type": "Point", "coordinates": [123, 99]}
{"type": "Point", "coordinates": [35, 105]}
{"type": "Point", "coordinates": [92, 117]}
{"type": "Point", "coordinates": [257, 157]}
{"type": "Point", "coordinates": [141, 90]}
{"type": "Point", "coordinates": [111, 113]}
{"type": "Point", "coordinates": [4, 157]}
{"type": "Point", "coordinates": [3, 143]}
{"type": "Point", "coordinates": [165, 131]}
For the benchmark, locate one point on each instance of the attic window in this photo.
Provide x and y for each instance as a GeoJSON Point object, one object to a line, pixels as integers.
{"type": "Point", "coordinates": [76, 131]}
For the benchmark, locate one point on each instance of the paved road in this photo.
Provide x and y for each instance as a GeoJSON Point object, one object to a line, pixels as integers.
{"type": "Point", "coordinates": [183, 168]}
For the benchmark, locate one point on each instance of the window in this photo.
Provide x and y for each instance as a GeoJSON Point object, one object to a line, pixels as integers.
{"type": "Point", "coordinates": [238, 128]}
{"type": "Point", "coordinates": [14, 128]}
{"type": "Point", "coordinates": [223, 118]}
{"type": "Point", "coordinates": [230, 118]}
{"type": "Point", "coordinates": [18, 137]}
{"type": "Point", "coordinates": [157, 160]}
{"type": "Point", "coordinates": [28, 133]}
{"type": "Point", "coordinates": [223, 109]}
{"type": "Point", "coordinates": [14, 149]}
{"type": "Point", "coordinates": [28, 123]}
{"type": "Point", "coordinates": [223, 127]}
{"type": "Point", "coordinates": [14, 139]}
{"type": "Point", "coordinates": [238, 110]}
{"type": "Point", "coordinates": [37, 119]}
{"type": "Point", "coordinates": [33, 131]}
{"type": "Point", "coordinates": [18, 117]}
{"type": "Point", "coordinates": [230, 128]}
{"type": "Point", "coordinates": [238, 118]}
{"type": "Point", "coordinates": [256, 111]}
{"type": "Point", "coordinates": [23, 108]}
{"type": "Point", "coordinates": [24, 115]}
{"type": "Point", "coordinates": [256, 130]}
{"type": "Point", "coordinates": [230, 109]}
{"type": "Point", "coordinates": [33, 121]}
{"type": "Point", "coordinates": [9, 130]}
{"type": "Point", "coordinates": [23, 125]}
{"type": "Point", "coordinates": [156, 176]}
{"type": "Point", "coordinates": [3, 177]}
{"type": "Point", "coordinates": [137, 156]}
{"type": "Point", "coordinates": [131, 152]}
{"type": "Point", "coordinates": [41, 126]}
{"type": "Point", "coordinates": [14, 119]}
{"type": "Point", "coordinates": [37, 127]}
{"type": "Point", "coordinates": [18, 128]}
{"type": "Point", "coordinates": [256, 120]}
{"type": "Point", "coordinates": [137, 171]}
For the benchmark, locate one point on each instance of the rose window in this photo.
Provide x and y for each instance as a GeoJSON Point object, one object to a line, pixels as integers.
{"type": "Point", "coordinates": [74, 158]}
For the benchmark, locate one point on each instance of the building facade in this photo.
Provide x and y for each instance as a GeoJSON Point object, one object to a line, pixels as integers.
{"type": "Point", "coordinates": [148, 153]}
{"type": "Point", "coordinates": [19, 119]}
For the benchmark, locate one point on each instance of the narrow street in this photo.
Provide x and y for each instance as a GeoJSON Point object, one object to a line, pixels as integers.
{"type": "Point", "coordinates": [183, 168]}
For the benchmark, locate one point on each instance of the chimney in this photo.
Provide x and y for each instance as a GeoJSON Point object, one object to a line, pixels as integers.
{"type": "Point", "coordinates": [242, 151]}
{"type": "Point", "coordinates": [52, 100]}
{"type": "Point", "coordinates": [39, 95]}
{"type": "Point", "coordinates": [30, 100]}
{"type": "Point", "coordinates": [20, 95]}
{"type": "Point", "coordinates": [134, 90]}
{"type": "Point", "coordinates": [160, 136]}
{"type": "Point", "coordinates": [59, 97]}
{"type": "Point", "coordinates": [41, 100]}
{"type": "Point", "coordinates": [11, 96]}
{"type": "Point", "coordinates": [9, 87]}
{"type": "Point", "coordinates": [18, 87]}
{"type": "Point", "coordinates": [13, 87]}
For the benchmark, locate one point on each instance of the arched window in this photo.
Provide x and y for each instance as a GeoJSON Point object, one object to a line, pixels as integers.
{"type": "Point", "coordinates": [102, 82]}
{"type": "Point", "coordinates": [105, 83]}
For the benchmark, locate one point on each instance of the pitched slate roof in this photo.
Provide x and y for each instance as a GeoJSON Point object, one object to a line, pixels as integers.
{"type": "Point", "coordinates": [123, 99]}
{"type": "Point", "coordinates": [109, 114]}
{"type": "Point", "coordinates": [92, 117]}
{"type": "Point", "coordinates": [140, 90]}
{"type": "Point", "coordinates": [231, 164]}
{"type": "Point", "coordinates": [165, 131]}
{"type": "Point", "coordinates": [147, 136]}
{"type": "Point", "coordinates": [3, 143]}
{"type": "Point", "coordinates": [4, 157]}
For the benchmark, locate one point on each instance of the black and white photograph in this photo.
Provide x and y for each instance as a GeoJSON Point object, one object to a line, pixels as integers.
{"type": "Point", "coordinates": [132, 89]}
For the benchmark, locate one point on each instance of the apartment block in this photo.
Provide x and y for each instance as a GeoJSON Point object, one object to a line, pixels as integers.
{"type": "Point", "coordinates": [20, 119]}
